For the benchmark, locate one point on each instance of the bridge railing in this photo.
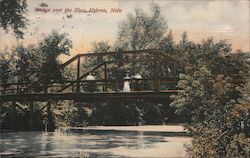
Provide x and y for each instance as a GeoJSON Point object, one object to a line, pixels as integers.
{"type": "Point", "coordinates": [101, 86]}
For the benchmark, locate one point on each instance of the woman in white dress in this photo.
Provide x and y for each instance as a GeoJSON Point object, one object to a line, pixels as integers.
{"type": "Point", "coordinates": [126, 87]}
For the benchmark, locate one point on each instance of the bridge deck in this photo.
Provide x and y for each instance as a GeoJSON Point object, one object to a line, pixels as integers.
{"type": "Point", "coordinates": [86, 96]}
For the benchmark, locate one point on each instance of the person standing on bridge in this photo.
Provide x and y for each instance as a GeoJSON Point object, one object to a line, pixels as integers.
{"type": "Point", "coordinates": [91, 83]}
{"type": "Point", "coordinates": [126, 86]}
{"type": "Point", "coordinates": [169, 72]}
{"type": "Point", "coordinates": [90, 77]}
{"type": "Point", "coordinates": [138, 84]}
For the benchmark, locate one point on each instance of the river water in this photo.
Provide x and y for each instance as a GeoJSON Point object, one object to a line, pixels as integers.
{"type": "Point", "coordinates": [94, 143]}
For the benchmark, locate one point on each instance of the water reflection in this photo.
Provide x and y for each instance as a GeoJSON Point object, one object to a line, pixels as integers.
{"type": "Point", "coordinates": [91, 143]}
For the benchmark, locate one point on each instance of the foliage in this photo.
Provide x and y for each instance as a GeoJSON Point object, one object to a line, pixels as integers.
{"type": "Point", "coordinates": [210, 94]}
{"type": "Point", "coordinates": [26, 64]}
{"type": "Point", "coordinates": [12, 16]}
{"type": "Point", "coordinates": [116, 112]}
{"type": "Point", "coordinates": [55, 44]}
{"type": "Point", "coordinates": [167, 44]}
{"type": "Point", "coordinates": [90, 62]}
{"type": "Point", "coordinates": [5, 67]}
{"type": "Point", "coordinates": [69, 113]}
{"type": "Point", "coordinates": [18, 66]}
{"type": "Point", "coordinates": [51, 47]}
{"type": "Point", "coordinates": [141, 31]}
{"type": "Point", "coordinates": [100, 47]}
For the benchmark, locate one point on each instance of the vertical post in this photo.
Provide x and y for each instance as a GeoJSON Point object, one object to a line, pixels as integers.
{"type": "Point", "coordinates": [50, 120]}
{"type": "Point", "coordinates": [17, 88]}
{"type": "Point", "coordinates": [174, 73]}
{"type": "Point", "coordinates": [105, 77]}
{"type": "Point", "coordinates": [48, 117]}
{"type": "Point", "coordinates": [45, 87]}
{"type": "Point", "coordinates": [1, 105]}
{"type": "Point", "coordinates": [13, 118]}
{"type": "Point", "coordinates": [174, 69]}
{"type": "Point", "coordinates": [156, 76]}
{"type": "Point", "coordinates": [50, 124]}
{"type": "Point", "coordinates": [78, 75]}
{"type": "Point", "coordinates": [31, 113]}
{"type": "Point", "coordinates": [133, 66]}
{"type": "Point", "coordinates": [116, 86]}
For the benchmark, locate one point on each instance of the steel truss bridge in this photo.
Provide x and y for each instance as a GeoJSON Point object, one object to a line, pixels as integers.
{"type": "Point", "coordinates": [159, 77]}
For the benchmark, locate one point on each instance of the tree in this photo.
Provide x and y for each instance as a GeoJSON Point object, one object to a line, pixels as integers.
{"type": "Point", "coordinates": [167, 44]}
{"type": "Point", "coordinates": [27, 63]}
{"type": "Point", "coordinates": [19, 66]}
{"type": "Point", "coordinates": [142, 31]}
{"type": "Point", "coordinates": [6, 67]}
{"type": "Point", "coordinates": [97, 47]}
{"type": "Point", "coordinates": [51, 47]}
{"type": "Point", "coordinates": [5, 78]}
{"type": "Point", "coordinates": [12, 16]}
{"type": "Point", "coordinates": [210, 94]}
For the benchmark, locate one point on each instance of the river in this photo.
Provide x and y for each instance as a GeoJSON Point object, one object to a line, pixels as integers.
{"type": "Point", "coordinates": [145, 141]}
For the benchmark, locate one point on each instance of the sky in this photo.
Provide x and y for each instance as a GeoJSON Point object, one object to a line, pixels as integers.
{"type": "Point", "coordinates": [220, 19]}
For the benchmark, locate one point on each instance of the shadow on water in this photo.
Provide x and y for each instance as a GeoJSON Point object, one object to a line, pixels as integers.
{"type": "Point", "coordinates": [77, 143]}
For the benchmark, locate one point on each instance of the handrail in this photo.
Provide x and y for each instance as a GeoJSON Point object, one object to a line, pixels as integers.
{"type": "Point", "coordinates": [98, 82]}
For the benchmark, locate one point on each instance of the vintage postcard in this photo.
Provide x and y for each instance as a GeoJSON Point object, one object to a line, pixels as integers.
{"type": "Point", "coordinates": [116, 78]}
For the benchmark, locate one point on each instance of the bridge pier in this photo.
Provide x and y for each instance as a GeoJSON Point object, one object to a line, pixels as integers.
{"type": "Point", "coordinates": [13, 118]}
{"type": "Point", "coordinates": [50, 124]}
{"type": "Point", "coordinates": [31, 116]}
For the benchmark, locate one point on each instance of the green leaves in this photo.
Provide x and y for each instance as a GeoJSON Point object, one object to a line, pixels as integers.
{"type": "Point", "coordinates": [55, 44]}
{"type": "Point", "coordinates": [142, 31]}
{"type": "Point", "coordinates": [12, 16]}
{"type": "Point", "coordinates": [210, 94]}
{"type": "Point", "coordinates": [192, 90]}
{"type": "Point", "coordinates": [5, 67]}
{"type": "Point", "coordinates": [51, 47]}
{"type": "Point", "coordinates": [102, 46]}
